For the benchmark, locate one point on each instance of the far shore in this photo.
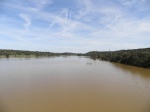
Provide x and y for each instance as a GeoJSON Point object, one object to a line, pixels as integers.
{"type": "Point", "coordinates": [133, 57]}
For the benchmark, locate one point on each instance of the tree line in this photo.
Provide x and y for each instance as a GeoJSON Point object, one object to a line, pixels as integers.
{"type": "Point", "coordinates": [15, 53]}
{"type": "Point", "coordinates": [135, 57]}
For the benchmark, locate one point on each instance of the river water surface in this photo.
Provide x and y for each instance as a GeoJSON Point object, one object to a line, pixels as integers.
{"type": "Point", "coordinates": [72, 84]}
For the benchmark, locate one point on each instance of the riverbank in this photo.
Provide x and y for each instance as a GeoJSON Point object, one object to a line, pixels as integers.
{"type": "Point", "coordinates": [134, 57]}
{"type": "Point", "coordinates": [19, 56]}
{"type": "Point", "coordinates": [29, 54]}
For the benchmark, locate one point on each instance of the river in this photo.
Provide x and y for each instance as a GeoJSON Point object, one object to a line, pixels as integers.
{"type": "Point", "coordinates": [72, 84]}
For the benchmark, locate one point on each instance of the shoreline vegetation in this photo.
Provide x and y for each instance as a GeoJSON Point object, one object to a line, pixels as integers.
{"type": "Point", "coordinates": [133, 57]}
{"type": "Point", "coordinates": [4, 53]}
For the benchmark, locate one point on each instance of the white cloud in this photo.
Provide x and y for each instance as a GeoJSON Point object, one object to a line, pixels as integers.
{"type": "Point", "coordinates": [141, 1]}
{"type": "Point", "coordinates": [132, 2]}
{"type": "Point", "coordinates": [85, 6]}
{"type": "Point", "coordinates": [27, 20]}
{"type": "Point", "coordinates": [75, 29]}
{"type": "Point", "coordinates": [41, 3]}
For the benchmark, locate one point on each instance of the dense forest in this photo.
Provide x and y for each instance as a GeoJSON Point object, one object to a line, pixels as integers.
{"type": "Point", "coordinates": [135, 57]}
{"type": "Point", "coordinates": [20, 53]}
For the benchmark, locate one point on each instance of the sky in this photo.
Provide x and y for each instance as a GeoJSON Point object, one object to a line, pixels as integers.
{"type": "Point", "coordinates": [74, 25]}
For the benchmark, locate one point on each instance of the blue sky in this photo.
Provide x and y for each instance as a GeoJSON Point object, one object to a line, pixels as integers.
{"type": "Point", "coordinates": [74, 25]}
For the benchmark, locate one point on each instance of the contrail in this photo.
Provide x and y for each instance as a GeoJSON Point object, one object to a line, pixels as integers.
{"type": "Point", "coordinates": [54, 21]}
{"type": "Point", "coordinates": [115, 18]}
{"type": "Point", "coordinates": [69, 18]}
{"type": "Point", "coordinates": [67, 14]}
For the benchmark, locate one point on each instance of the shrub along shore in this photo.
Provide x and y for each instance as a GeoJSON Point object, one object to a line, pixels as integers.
{"type": "Point", "coordinates": [20, 53]}
{"type": "Point", "coordinates": [134, 57]}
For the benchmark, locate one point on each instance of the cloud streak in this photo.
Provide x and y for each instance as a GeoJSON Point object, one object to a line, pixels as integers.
{"type": "Point", "coordinates": [86, 24]}
{"type": "Point", "coordinates": [27, 20]}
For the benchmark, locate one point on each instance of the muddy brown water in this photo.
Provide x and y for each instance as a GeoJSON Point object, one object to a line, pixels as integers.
{"type": "Point", "coordinates": [72, 84]}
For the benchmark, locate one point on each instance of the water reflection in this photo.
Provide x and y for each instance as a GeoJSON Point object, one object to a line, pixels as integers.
{"type": "Point", "coordinates": [142, 72]}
